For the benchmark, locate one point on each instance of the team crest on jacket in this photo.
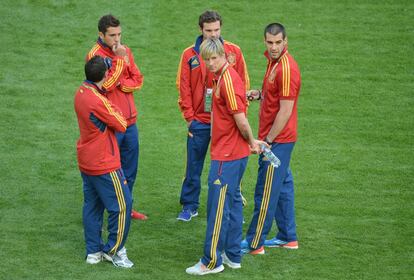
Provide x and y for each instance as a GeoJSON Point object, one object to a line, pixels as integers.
{"type": "Point", "coordinates": [194, 62]}
{"type": "Point", "coordinates": [231, 58]}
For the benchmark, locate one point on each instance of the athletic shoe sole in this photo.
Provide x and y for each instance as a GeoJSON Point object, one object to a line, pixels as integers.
{"type": "Point", "coordinates": [187, 220]}
{"type": "Point", "coordinates": [293, 246]}
{"type": "Point", "coordinates": [205, 272]}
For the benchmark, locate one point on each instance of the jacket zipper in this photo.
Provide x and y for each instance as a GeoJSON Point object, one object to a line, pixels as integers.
{"type": "Point", "coordinates": [112, 145]}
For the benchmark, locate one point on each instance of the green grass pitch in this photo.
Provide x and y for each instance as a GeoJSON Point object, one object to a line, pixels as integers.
{"type": "Point", "coordinates": [353, 164]}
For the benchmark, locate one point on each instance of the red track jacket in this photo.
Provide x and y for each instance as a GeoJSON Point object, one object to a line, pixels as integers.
{"type": "Point", "coordinates": [97, 148]}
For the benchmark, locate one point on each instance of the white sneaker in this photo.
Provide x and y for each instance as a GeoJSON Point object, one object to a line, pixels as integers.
{"type": "Point", "coordinates": [94, 258]}
{"type": "Point", "coordinates": [119, 259]}
{"type": "Point", "coordinates": [228, 262]}
{"type": "Point", "coordinates": [200, 269]}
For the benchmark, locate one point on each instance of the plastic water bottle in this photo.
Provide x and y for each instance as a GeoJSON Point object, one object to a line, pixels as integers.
{"type": "Point", "coordinates": [274, 161]}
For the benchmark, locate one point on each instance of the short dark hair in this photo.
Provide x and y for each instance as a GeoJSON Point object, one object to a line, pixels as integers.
{"type": "Point", "coordinates": [107, 21]}
{"type": "Point", "coordinates": [95, 69]}
{"type": "Point", "coordinates": [274, 29]}
{"type": "Point", "coordinates": [209, 16]}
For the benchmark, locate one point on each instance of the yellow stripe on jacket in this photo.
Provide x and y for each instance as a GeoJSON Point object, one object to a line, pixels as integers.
{"type": "Point", "coordinates": [130, 89]}
{"type": "Point", "coordinates": [178, 79]}
{"type": "Point", "coordinates": [285, 76]}
{"type": "Point", "coordinates": [108, 107]}
{"type": "Point", "coordinates": [93, 51]}
{"type": "Point", "coordinates": [230, 90]}
{"type": "Point", "coordinates": [246, 74]}
{"type": "Point", "coordinates": [115, 76]}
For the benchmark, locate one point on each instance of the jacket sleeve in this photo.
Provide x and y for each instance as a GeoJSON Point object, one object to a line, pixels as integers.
{"type": "Point", "coordinates": [115, 73]}
{"type": "Point", "coordinates": [288, 81]}
{"type": "Point", "coordinates": [185, 98]}
{"type": "Point", "coordinates": [109, 114]}
{"type": "Point", "coordinates": [132, 80]}
{"type": "Point", "coordinates": [241, 69]}
{"type": "Point", "coordinates": [232, 91]}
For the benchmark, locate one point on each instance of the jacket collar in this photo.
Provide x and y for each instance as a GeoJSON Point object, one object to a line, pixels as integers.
{"type": "Point", "coordinates": [93, 85]}
{"type": "Point", "coordinates": [198, 42]}
{"type": "Point", "coordinates": [103, 45]}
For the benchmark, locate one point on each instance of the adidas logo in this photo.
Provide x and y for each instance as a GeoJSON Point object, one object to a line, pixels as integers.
{"type": "Point", "coordinates": [217, 182]}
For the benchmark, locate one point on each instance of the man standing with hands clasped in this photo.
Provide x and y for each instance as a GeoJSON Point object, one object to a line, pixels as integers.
{"type": "Point", "coordinates": [231, 143]}
{"type": "Point", "coordinates": [278, 127]}
{"type": "Point", "coordinates": [194, 83]}
{"type": "Point", "coordinates": [123, 79]}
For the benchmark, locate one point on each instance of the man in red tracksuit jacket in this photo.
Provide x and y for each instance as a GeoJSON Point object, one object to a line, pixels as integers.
{"type": "Point", "coordinates": [278, 125]}
{"type": "Point", "coordinates": [231, 143]}
{"type": "Point", "coordinates": [119, 87]}
{"type": "Point", "coordinates": [104, 184]}
{"type": "Point", "coordinates": [194, 83]}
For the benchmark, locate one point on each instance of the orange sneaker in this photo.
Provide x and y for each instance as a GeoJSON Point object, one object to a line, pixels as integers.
{"type": "Point", "coordinates": [258, 251]}
{"type": "Point", "coordinates": [290, 245]}
{"type": "Point", "coordinates": [274, 242]}
{"type": "Point", "coordinates": [138, 216]}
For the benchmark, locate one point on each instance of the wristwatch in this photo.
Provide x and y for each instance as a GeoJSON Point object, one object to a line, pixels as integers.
{"type": "Point", "coordinates": [268, 142]}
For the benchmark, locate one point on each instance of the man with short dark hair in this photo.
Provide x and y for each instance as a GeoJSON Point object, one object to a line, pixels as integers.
{"type": "Point", "coordinates": [195, 87]}
{"type": "Point", "coordinates": [104, 184]}
{"type": "Point", "coordinates": [232, 142]}
{"type": "Point", "coordinates": [278, 127]}
{"type": "Point", "coordinates": [123, 79]}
